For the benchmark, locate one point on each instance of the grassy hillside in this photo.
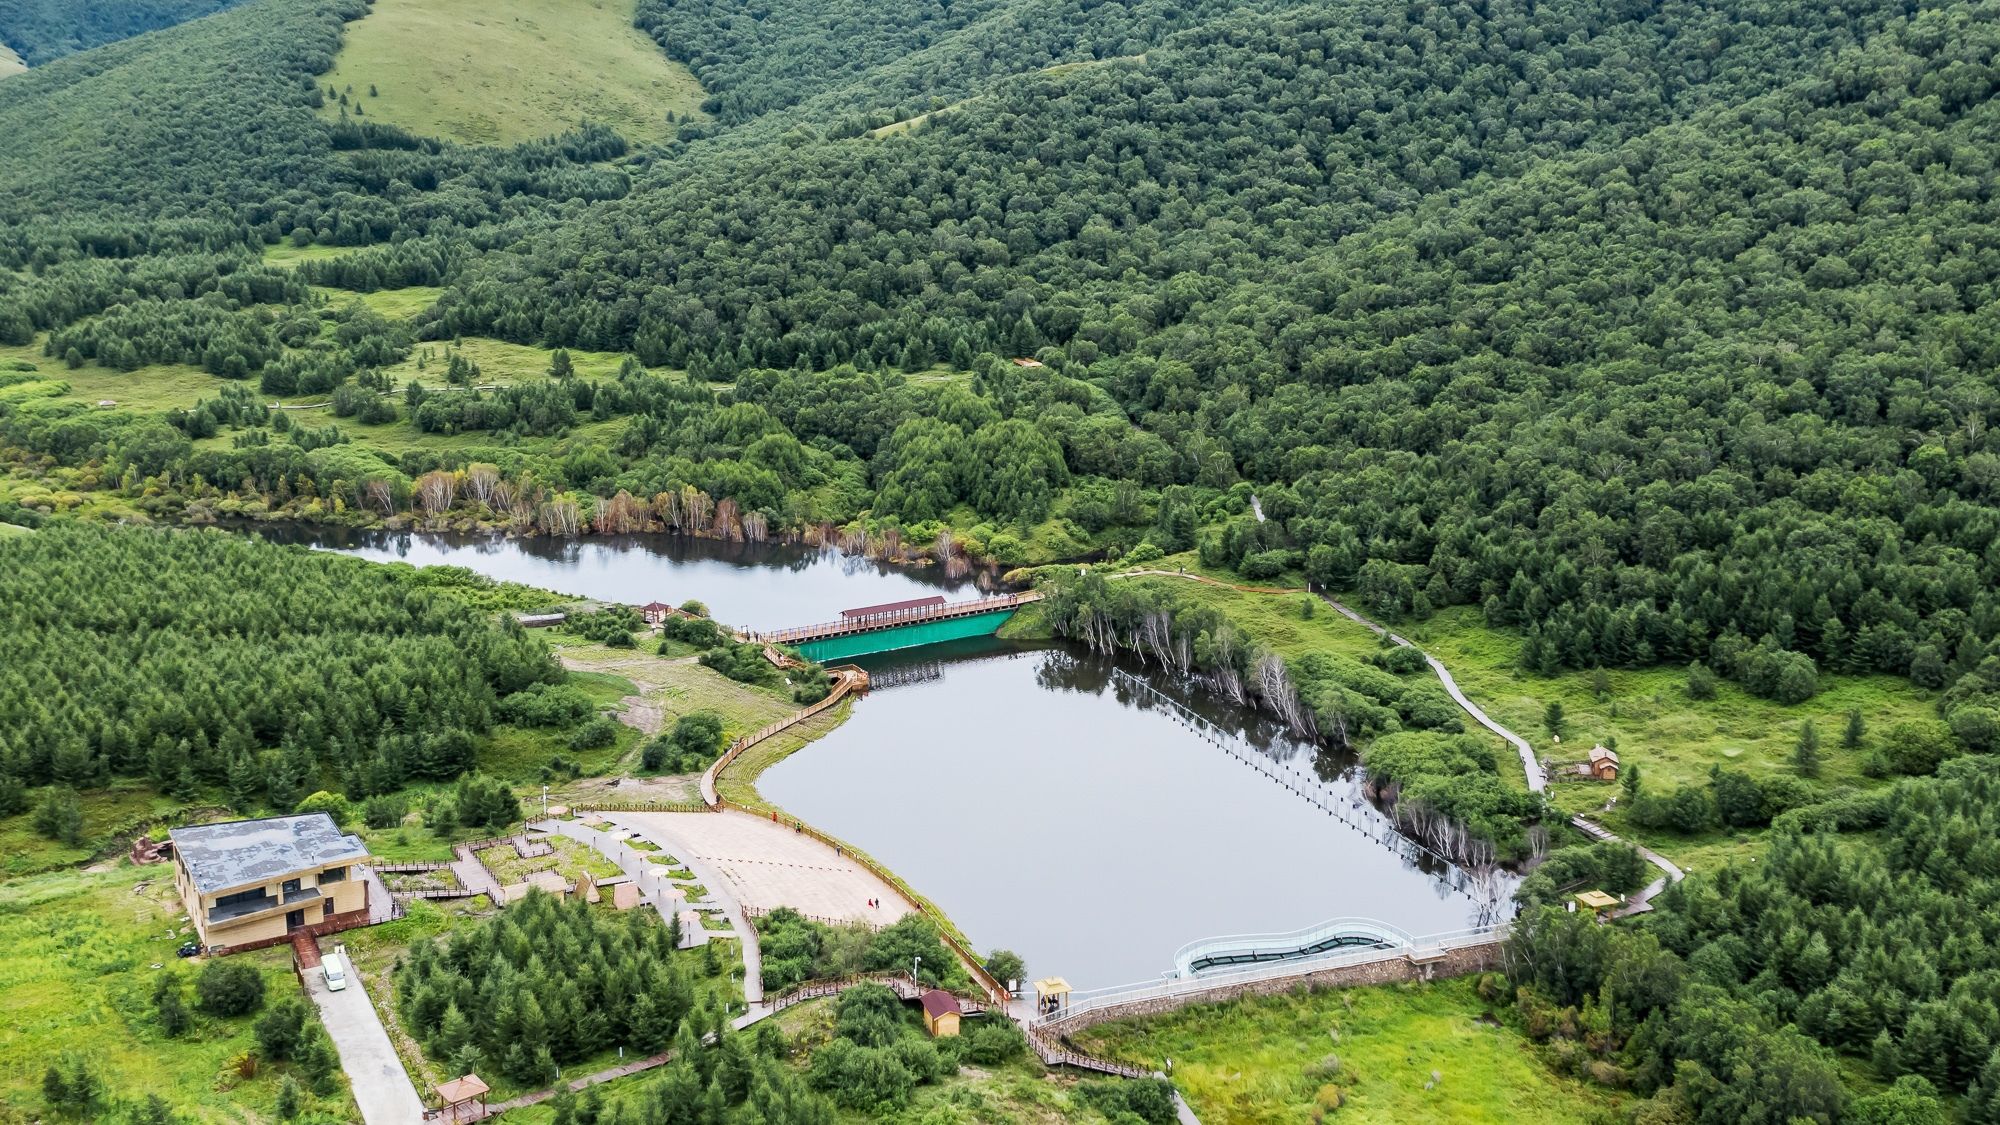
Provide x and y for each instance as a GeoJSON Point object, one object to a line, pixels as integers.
{"type": "Point", "coordinates": [10, 61]}
{"type": "Point", "coordinates": [84, 949]}
{"type": "Point", "coordinates": [507, 71]}
{"type": "Point", "coordinates": [1370, 1053]}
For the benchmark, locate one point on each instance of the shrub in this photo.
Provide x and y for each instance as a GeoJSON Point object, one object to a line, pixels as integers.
{"type": "Point", "coordinates": [332, 804]}
{"type": "Point", "coordinates": [742, 663]}
{"type": "Point", "coordinates": [695, 741]}
{"type": "Point", "coordinates": [229, 988]}
{"type": "Point", "coordinates": [613, 626]}
{"type": "Point", "coordinates": [1150, 1100]}
{"type": "Point", "coordinates": [870, 1015]}
{"type": "Point", "coordinates": [169, 1007]}
{"type": "Point", "coordinates": [1918, 746]}
{"type": "Point", "coordinates": [1700, 681]}
{"type": "Point", "coordinates": [596, 734]}
{"type": "Point", "coordinates": [1266, 564]}
{"type": "Point", "coordinates": [383, 812]}
{"type": "Point", "coordinates": [1006, 965]}
{"type": "Point", "coordinates": [869, 1079]}
{"type": "Point", "coordinates": [699, 632]}
{"type": "Point", "coordinates": [546, 705]}
{"type": "Point", "coordinates": [481, 802]}
{"type": "Point", "coordinates": [280, 1030]}
{"type": "Point", "coordinates": [1399, 660]}
{"type": "Point", "coordinates": [995, 1042]}
{"type": "Point", "coordinates": [1145, 552]}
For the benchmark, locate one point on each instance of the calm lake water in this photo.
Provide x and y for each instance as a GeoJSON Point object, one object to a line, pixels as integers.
{"type": "Point", "coordinates": [754, 586]}
{"type": "Point", "coordinates": [1086, 813]}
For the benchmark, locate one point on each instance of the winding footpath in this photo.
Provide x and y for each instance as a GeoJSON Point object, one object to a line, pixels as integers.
{"type": "Point", "coordinates": [1531, 766]}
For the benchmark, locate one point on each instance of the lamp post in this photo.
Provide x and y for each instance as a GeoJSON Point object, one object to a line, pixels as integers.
{"type": "Point", "coordinates": [915, 960]}
{"type": "Point", "coordinates": [545, 802]}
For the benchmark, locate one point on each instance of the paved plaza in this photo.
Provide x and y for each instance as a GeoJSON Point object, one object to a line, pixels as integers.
{"type": "Point", "coordinates": [766, 865]}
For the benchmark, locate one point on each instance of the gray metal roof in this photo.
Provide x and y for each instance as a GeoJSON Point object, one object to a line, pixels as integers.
{"type": "Point", "coordinates": [239, 852]}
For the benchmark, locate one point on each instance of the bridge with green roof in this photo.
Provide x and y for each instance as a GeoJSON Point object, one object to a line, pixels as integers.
{"type": "Point", "coordinates": [898, 625]}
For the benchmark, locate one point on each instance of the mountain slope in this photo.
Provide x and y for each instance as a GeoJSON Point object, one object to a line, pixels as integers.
{"type": "Point", "coordinates": [41, 31]}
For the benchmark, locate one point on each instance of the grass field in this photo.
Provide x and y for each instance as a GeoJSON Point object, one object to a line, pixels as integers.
{"type": "Point", "coordinates": [499, 361]}
{"type": "Point", "coordinates": [108, 815]}
{"type": "Point", "coordinates": [396, 304]}
{"type": "Point", "coordinates": [1272, 1059]}
{"type": "Point", "coordinates": [153, 389]}
{"type": "Point", "coordinates": [286, 254]}
{"type": "Point", "coordinates": [506, 71]}
{"type": "Point", "coordinates": [1674, 739]}
{"type": "Point", "coordinates": [82, 953]}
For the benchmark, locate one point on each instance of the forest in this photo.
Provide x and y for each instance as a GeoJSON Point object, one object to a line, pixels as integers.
{"type": "Point", "coordinates": [201, 660]}
{"type": "Point", "coordinates": [41, 30]}
{"type": "Point", "coordinates": [1655, 336]}
{"type": "Point", "coordinates": [1655, 333]}
{"type": "Point", "coordinates": [1866, 930]}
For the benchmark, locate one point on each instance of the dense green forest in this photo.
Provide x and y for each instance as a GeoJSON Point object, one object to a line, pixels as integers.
{"type": "Point", "coordinates": [550, 983]}
{"type": "Point", "coordinates": [41, 30]}
{"type": "Point", "coordinates": [1659, 333]}
{"type": "Point", "coordinates": [1868, 929]}
{"type": "Point", "coordinates": [203, 661]}
{"type": "Point", "coordinates": [1654, 334]}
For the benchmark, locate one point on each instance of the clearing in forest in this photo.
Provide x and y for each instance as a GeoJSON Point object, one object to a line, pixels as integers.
{"type": "Point", "coordinates": [506, 71]}
{"type": "Point", "coordinates": [10, 62]}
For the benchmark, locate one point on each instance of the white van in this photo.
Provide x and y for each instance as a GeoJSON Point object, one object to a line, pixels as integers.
{"type": "Point", "coordinates": [335, 968]}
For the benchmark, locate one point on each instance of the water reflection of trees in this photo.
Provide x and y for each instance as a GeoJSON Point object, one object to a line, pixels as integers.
{"type": "Point", "coordinates": [1328, 780]}
{"type": "Point", "coordinates": [1077, 671]}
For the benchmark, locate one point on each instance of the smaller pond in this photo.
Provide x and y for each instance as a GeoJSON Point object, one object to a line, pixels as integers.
{"type": "Point", "coordinates": [749, 585]}
{"type": "Point", "coordinates": [1071, 810]}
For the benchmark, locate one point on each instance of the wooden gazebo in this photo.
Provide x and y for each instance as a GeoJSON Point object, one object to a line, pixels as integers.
{"type": "Point", "coordinates": [462, 1099]}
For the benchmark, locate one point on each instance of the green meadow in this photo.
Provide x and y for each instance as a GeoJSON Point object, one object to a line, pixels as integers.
{"type": "Point", "coordinates": [84, 950]}
{"type": "Point", "coordinates": [506, 71]}
{"type": "Point", "coordinates": [1388, 1053]}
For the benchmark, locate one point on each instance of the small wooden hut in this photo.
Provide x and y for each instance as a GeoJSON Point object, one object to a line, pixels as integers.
{"type": "Point", "coordinates": [941, 1013]}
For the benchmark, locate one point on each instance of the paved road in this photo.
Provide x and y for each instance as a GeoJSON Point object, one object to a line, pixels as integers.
{"type": "Point", "coordinates": [381, 1087]}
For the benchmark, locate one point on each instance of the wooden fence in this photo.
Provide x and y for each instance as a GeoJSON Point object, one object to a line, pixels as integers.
{"type": "Point", "coordinates": [847, 680]}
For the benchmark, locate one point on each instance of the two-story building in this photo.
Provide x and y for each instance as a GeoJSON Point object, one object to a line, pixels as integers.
{"type": "Point", "coordinates": [252, 883]}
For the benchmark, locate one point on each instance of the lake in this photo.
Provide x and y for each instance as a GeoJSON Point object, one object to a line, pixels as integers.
{"type": "Point", "coordinates": [1084, 812]}
{"type": "Point", "coordinates": [750, 585]}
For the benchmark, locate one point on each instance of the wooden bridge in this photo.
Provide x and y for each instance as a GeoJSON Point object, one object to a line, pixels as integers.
{"type": "Point", "coordinates": [897, 625]}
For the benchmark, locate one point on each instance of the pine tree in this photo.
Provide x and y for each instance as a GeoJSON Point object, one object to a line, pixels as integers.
{"type": "Point", "coordinates": [170, 1007]}
{"type": "Point", "coordinates": [1982, 1101]}
{"type": "Point", "coordinates": [1805, 757]}
{"type": "Point", "coordinates": [288, 1098]}
{"type": "Point", "coordinates": [1857, 729]}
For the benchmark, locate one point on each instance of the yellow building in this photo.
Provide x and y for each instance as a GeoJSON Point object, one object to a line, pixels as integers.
{"type": "Point", "coordinates": [1597, 902]}
{"type": "Point", "coordinates": [940, 1013]}
{"type": "Point", "coordinates": [252, 883]}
